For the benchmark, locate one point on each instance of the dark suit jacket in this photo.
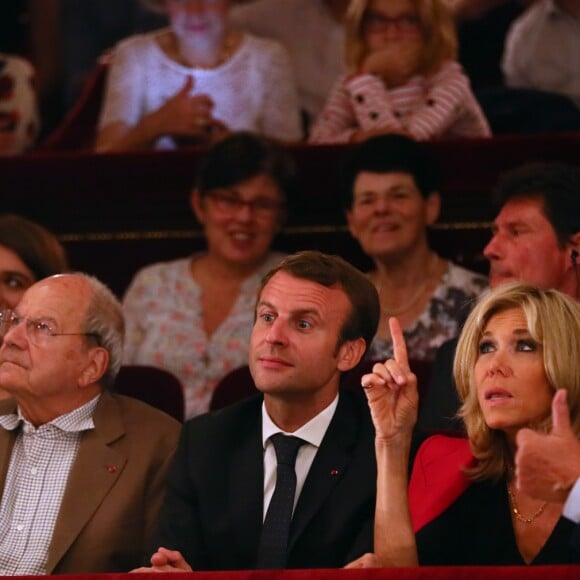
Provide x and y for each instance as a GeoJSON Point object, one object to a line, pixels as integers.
{"type": "Point", "coordinates": [214, 503]}
{"type": "Point", "coordinates": [115, 488]}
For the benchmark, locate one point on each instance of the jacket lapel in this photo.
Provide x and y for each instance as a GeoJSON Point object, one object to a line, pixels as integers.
{"type": "Point", "coordinates": [246, 493]}
{"type": "Point", "coordinates": [94, 472]}
{"type": "Point", "coordinates": [331, 460]}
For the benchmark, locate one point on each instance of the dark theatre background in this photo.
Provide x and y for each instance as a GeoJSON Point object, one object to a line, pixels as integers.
{"type": "Point", "coordinates": [118, 212]}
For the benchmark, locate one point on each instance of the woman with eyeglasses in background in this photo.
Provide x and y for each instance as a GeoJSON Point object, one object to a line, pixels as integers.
{"type": "Point", "coordinates": [194, 316]}
{"type": "Point", "coordinates": [404, 77]}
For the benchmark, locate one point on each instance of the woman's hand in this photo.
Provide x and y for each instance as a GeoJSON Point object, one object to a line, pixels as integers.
{"type": "Point", "coordinates": [368, 560]}
{"type": "Point", "coordinates": [391, 390]}
{"type": "Point", "coordinates": [395, 63]}
{"type": "Point", "coordinates": [184, 115]}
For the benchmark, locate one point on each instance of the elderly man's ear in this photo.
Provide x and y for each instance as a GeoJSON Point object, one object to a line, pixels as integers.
{"type": "Point", "coordinates": [98, 362]}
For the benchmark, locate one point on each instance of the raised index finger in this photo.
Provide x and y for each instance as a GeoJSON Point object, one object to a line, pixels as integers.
{"type": "Point", "coordinates": [399, 345]}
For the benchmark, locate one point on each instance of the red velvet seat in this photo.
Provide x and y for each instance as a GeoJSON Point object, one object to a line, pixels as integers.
{"type": "Point", "coordinates": [78, 128]}
{"type": "Point", "coordinates": [156, 387]}
{"type": "Point", "coordinates": [234, 387]}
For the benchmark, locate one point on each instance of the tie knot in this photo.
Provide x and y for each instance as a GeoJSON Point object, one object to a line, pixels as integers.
{"type": "Point", "coordinates": [286, 447]}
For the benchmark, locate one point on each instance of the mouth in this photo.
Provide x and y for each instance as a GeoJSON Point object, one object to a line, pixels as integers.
{"type": "Point", "coordinates": [495, 272]}
{"type": "Point", "coordinates": [273, 362]}
{"type": "Point", "coordinates": [4, 363]}
{"type": "Point", "coordinates": [497, 395]}
{"type": "Point", "coordinates": [385, 228]}
{"type": "Point", "coordinates": [241, 236]}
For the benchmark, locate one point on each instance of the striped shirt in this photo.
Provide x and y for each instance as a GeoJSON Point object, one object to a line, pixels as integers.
{"type": "Point", "coordinates": [426, 107]}
{"type": "Point", "coordinates": [39, 467]}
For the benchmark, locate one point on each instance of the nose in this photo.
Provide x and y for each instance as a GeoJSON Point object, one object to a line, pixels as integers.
{"type": "Point", "coordinates": [493, 249]}
{"type": "Point", "coordinates": [382, 204]}
{"type": "Point", "coordinates": [498, 365]}
{"type": "Point", "coordinates": [276, 335]}
{"type": "Point", "coordinates": [16, 335]}
{"type": "Point", "coordinates": [244, 211]}
{"type": "Point", "coordinates": [195, 6]}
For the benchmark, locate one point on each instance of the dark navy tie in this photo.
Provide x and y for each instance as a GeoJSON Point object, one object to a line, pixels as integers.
{"type": "Point", "coordinates": [272, 552]}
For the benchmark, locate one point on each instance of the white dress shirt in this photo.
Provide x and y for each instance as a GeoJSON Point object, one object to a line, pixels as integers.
{"type": "Point", "coordinates": [312, 432]}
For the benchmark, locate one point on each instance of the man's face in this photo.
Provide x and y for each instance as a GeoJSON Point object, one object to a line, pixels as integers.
{"type": "Point", "coordinates": [524, 247]}
{"type": "Point", "coordinates": [47, 371]}
{"type": "Point", "coordinates": [293, 354]}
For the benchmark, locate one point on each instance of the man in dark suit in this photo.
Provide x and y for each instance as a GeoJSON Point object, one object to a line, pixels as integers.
{"type": "Point", "coordinates": [315, 316]}
{"type": "Point", "coordinates": [82, 470]}
{"type": "Point", "coordinates": [536, 239]}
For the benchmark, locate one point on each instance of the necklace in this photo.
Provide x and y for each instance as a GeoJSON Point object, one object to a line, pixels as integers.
{"type": "Point", "coordinates": [516, 512]}
{"type": "Point", "coordinates": [414, 297]}
{"type": "Point", "coordinates": [227, 49]}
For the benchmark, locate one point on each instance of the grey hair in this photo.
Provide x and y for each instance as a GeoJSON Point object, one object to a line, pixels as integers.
{"type": "Point", "coordinates": [104, 319]}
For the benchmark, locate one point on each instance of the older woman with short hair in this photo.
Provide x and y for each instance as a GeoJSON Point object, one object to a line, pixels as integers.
{"type": "Point", "coordinates": [404, 77]}
{"type": "Point", "coordinates": [519, 346]}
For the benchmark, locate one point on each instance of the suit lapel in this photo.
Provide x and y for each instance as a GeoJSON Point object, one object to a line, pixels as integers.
{"type": "Point", "coordinates": [331, 460]}
{"type": "Point", "coordinates": [94, 472]}
{"type": "Point", "coordinates": [246, 481]}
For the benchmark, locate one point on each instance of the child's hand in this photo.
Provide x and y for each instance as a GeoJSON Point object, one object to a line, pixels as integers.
{"type": "Point", "coordinates": [396, 63]}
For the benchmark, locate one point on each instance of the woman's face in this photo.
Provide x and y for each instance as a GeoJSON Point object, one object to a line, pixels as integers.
{"type": "Point", "coordinates": [388, 22]}
{"type": "Point", "coordinates": [15, 278]}
{"type": "Point", "coordinates": [241, 221]}
{"type": "Point", "coordinates": [198, 22]}
{"type": "Point", "coordinates": [389, 215]}
{"type": "Point", "coordinates": [512, 387]}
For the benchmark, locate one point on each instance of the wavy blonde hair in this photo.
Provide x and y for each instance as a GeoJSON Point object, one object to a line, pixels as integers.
{"type": "Point", "coordinates": [437, 24]}
{"type": "Point", "coordinates": [553, 321]}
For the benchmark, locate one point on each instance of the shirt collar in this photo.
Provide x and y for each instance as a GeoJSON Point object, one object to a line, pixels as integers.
{"type": "Point", "coordinates": [77, 420]}
{"type": "Point", "coordinates": [312, 432]}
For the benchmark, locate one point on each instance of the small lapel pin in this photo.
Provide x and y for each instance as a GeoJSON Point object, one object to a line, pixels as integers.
{"type": "Point", "coordinates": [112, 468]}
{"type": "Point", "coordinates": [334, 472]}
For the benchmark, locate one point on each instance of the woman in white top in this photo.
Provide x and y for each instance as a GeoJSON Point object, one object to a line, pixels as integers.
{"type": "Point", "coordinates": [194, 81]}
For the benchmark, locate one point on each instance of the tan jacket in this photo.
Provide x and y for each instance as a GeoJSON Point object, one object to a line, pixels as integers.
{"type": "Point", "coordinates": [115, 489]}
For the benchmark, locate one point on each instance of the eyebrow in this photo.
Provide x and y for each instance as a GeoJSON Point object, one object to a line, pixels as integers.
{"type": "Point", "coordinates": [517, 332]}
{"type": "Point", "coordinates": [18, 273]}
{"type": "Point", "coordinates": [45, 318]}
{"type": "Point", "coordinates": [293, 313]}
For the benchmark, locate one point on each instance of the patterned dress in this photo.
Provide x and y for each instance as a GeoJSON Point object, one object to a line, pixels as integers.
{"type": "Point", "coordinates": [442, 318]}
{"type": "Point", "coordinates": [165, 328]}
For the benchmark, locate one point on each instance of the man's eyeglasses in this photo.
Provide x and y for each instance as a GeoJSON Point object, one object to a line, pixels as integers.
{"type": "Point", "coordinates": [39, 330]}
{"type": "Point", "coordinates": [228, 202]}
{"type": "Point", "coordinates": [376, 21]}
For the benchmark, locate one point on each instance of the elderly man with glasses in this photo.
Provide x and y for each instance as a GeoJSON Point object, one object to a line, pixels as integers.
{"type": "Point", "coordinates": [81, 470]}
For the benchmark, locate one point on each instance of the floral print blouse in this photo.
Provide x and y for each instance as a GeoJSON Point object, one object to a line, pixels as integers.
{"type": "Point", "coordinates": [164, 328]}
{"type": "Point", "coordinates": [442, 318]}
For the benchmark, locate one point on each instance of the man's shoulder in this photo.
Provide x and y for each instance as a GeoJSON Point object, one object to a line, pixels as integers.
{"type": "Point", "coordinates": [136, 416]}
{"type": "Point", "coordinates": [229, 419]}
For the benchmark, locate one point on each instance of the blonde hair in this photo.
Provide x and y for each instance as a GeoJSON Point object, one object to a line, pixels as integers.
{"type": "Point", "coordinates": [553, 321]}
{"type": "Point", "coordinates": [438, 29]}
